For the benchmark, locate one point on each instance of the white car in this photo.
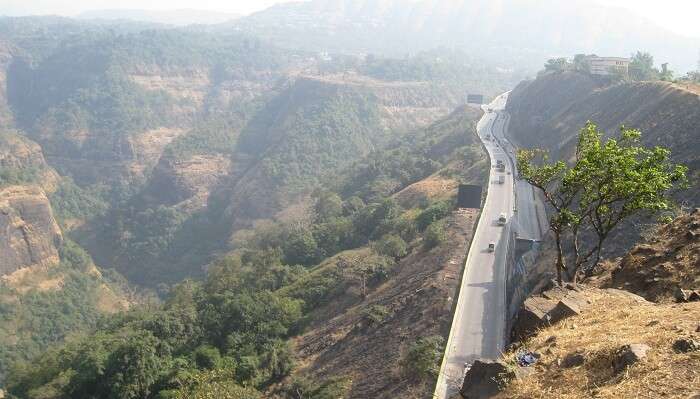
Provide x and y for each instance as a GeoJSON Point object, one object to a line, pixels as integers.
{"type": "Point", "coordinates": [502, 219]}
{"type": "Point", "coordinates": [492, 246]}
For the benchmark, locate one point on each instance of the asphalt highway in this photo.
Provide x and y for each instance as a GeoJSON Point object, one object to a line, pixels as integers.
{"type": "Point", "coordinates": [478, 327]}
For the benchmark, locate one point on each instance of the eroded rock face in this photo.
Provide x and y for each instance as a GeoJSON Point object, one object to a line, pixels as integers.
{"type": "Point", "coordinates": [19, 153]}
{"type": "Point", "coordinates": [175, 180]}
{"type": "Point", "coordinates": [29, 234]}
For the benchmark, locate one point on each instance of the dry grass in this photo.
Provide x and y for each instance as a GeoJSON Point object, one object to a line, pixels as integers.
{"type": "Point", "coordinates": [36, 277]}
{"type": "Point", "coordinates": [610, 322]}
{"type": "Point", "coordinates": [432, 188]}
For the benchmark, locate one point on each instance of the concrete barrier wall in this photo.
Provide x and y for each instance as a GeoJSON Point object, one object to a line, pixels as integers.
{"type": "Point", "coordinates": [526, 273]}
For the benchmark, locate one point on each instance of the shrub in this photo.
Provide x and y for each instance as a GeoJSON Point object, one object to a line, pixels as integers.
{"type": "Point", "coordinates": [207, 357]}
{"type": "Point", "coordinates": [433, 213]}
{"type": "Point", "coordinates": [423, 358]}
{"type": "Point", "coordinates": [391, 245]}
{"type": "Point", "coordinates": [435, 235]}
{"type": "Point", "coordinates": [375, 314]}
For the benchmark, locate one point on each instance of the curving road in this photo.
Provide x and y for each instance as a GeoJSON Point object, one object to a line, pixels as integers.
{"type": "Point", "coordinates": [478, 326]}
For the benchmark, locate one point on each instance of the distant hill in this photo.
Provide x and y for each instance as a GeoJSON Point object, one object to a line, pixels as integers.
{"type": "Point", "coordinates": [180, 17]}
{"type": "Point", "coordinates": [511, 31]}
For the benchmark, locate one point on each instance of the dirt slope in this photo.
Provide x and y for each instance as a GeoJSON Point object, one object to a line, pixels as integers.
{"type": "Point", "coordinates": [657, 268]}
{"type": "Point", "coordinates": [419, 303]}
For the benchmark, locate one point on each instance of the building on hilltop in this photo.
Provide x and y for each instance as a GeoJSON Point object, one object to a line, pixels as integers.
{"type": "Point", "coordinates": [604, 66]}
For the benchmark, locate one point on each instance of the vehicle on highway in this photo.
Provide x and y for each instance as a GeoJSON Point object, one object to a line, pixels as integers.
{"type": "Point", "coordinates": [501, 179]}
{"type": "Point", "coordinates": [492, 246]}
{"type": "Point", "coordinates": [500, 166]}
{"type": "Point", "coordinates": [502, 219]}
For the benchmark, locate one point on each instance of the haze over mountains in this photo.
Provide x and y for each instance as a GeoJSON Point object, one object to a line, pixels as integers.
{"type": "Point", "coordinates": [502, 30]}
{"type": "Point", "coordinates": [167, 17]}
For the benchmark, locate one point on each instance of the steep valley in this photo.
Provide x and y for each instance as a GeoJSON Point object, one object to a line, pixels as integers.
{"type": "Point", "coordinates": [135, 160]}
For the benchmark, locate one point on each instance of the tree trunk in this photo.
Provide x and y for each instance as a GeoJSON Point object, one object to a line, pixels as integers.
{"type": "Point", "coordinates": [560, 258]}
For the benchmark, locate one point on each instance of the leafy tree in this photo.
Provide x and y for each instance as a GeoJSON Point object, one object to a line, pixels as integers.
{"type": "Point", "coordinates": [306, 388]}
{"type": "Point", "coordinates": [609, 181]}
{"type": "Point", "coordinates": [580, 63]}
{"type": "Point", "coordinates": [207, 357]}
{"type": "Point", "coordinates": [433, 213]}
{"type": "Point", "coordinates": [422, 360]}
{"type": "Point", "coordinates": [328, 205]}
{"type": "Point", "coordinates": [435, 234]}
{"type": "Point", "coordinates": [642, 67]}
{"type": "Point", "coordinates": [335, 235]}
{"type": "Point", "coordinates": [666, 74]}
{"type": "Point", "coordinates": [302, 249]}
{"type": "Point", "coordinates": [557, 65]}
{"type": "Point", "coordinates": [352, 205]}
{"type": "Point", "coordinates": [212, 384]}
{"type": "Point", "coordinates": [391, 245]}
{"type": "Point", "coordinates": [130, 370]}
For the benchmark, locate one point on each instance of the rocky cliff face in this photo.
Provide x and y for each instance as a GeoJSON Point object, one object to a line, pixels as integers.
{"type": "Point", "coordinates": [188, 182]}
{"type": "Point", "coordinates": [29, 235]}
{"type": "Point", "coordinates": [24, 160]}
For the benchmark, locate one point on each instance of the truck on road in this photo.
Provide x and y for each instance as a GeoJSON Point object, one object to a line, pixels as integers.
{"type": "Point", "coordinates": [500, 166]}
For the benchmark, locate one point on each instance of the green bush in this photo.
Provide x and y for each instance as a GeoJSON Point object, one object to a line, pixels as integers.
{"type": "Point", "coordinates": [422, 360]}
{"type": "Point", "coordinates": [435, 234]}
{"type": "Point", "coordinates": [375, 314]}
{"type": "Point", "coordinates": [391, 245]}
{"type": "Point", "coordinates": [433, 213]}
{"type": "Point", "coordinates": [207, 357]}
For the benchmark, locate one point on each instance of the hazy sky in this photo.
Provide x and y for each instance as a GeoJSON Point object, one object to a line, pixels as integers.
{"type": "Point", "coordinates": [677, 15]}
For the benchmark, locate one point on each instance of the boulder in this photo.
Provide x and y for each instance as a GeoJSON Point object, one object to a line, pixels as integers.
{"type": "Point", "coordinates": [551, 306]}
{"type": "Point", "coordinates": [685, 345]}
{"type": "Point", "coordinates": [694, 296]}
{"type": "Point", "coordinates": [564, 309]}
{"type": "Point", "coordinates": [532, 316]}
{"type": "Point", "coordinates": [486, 378]}
{"type": "Point", "coordinates": [682, 295]}
{"type": "Point", "coordinates": [555, 293]}
{"type": "Point", "coordinates": [628, 355]}
{"type": "Point", "coordinates": [572, 360]}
